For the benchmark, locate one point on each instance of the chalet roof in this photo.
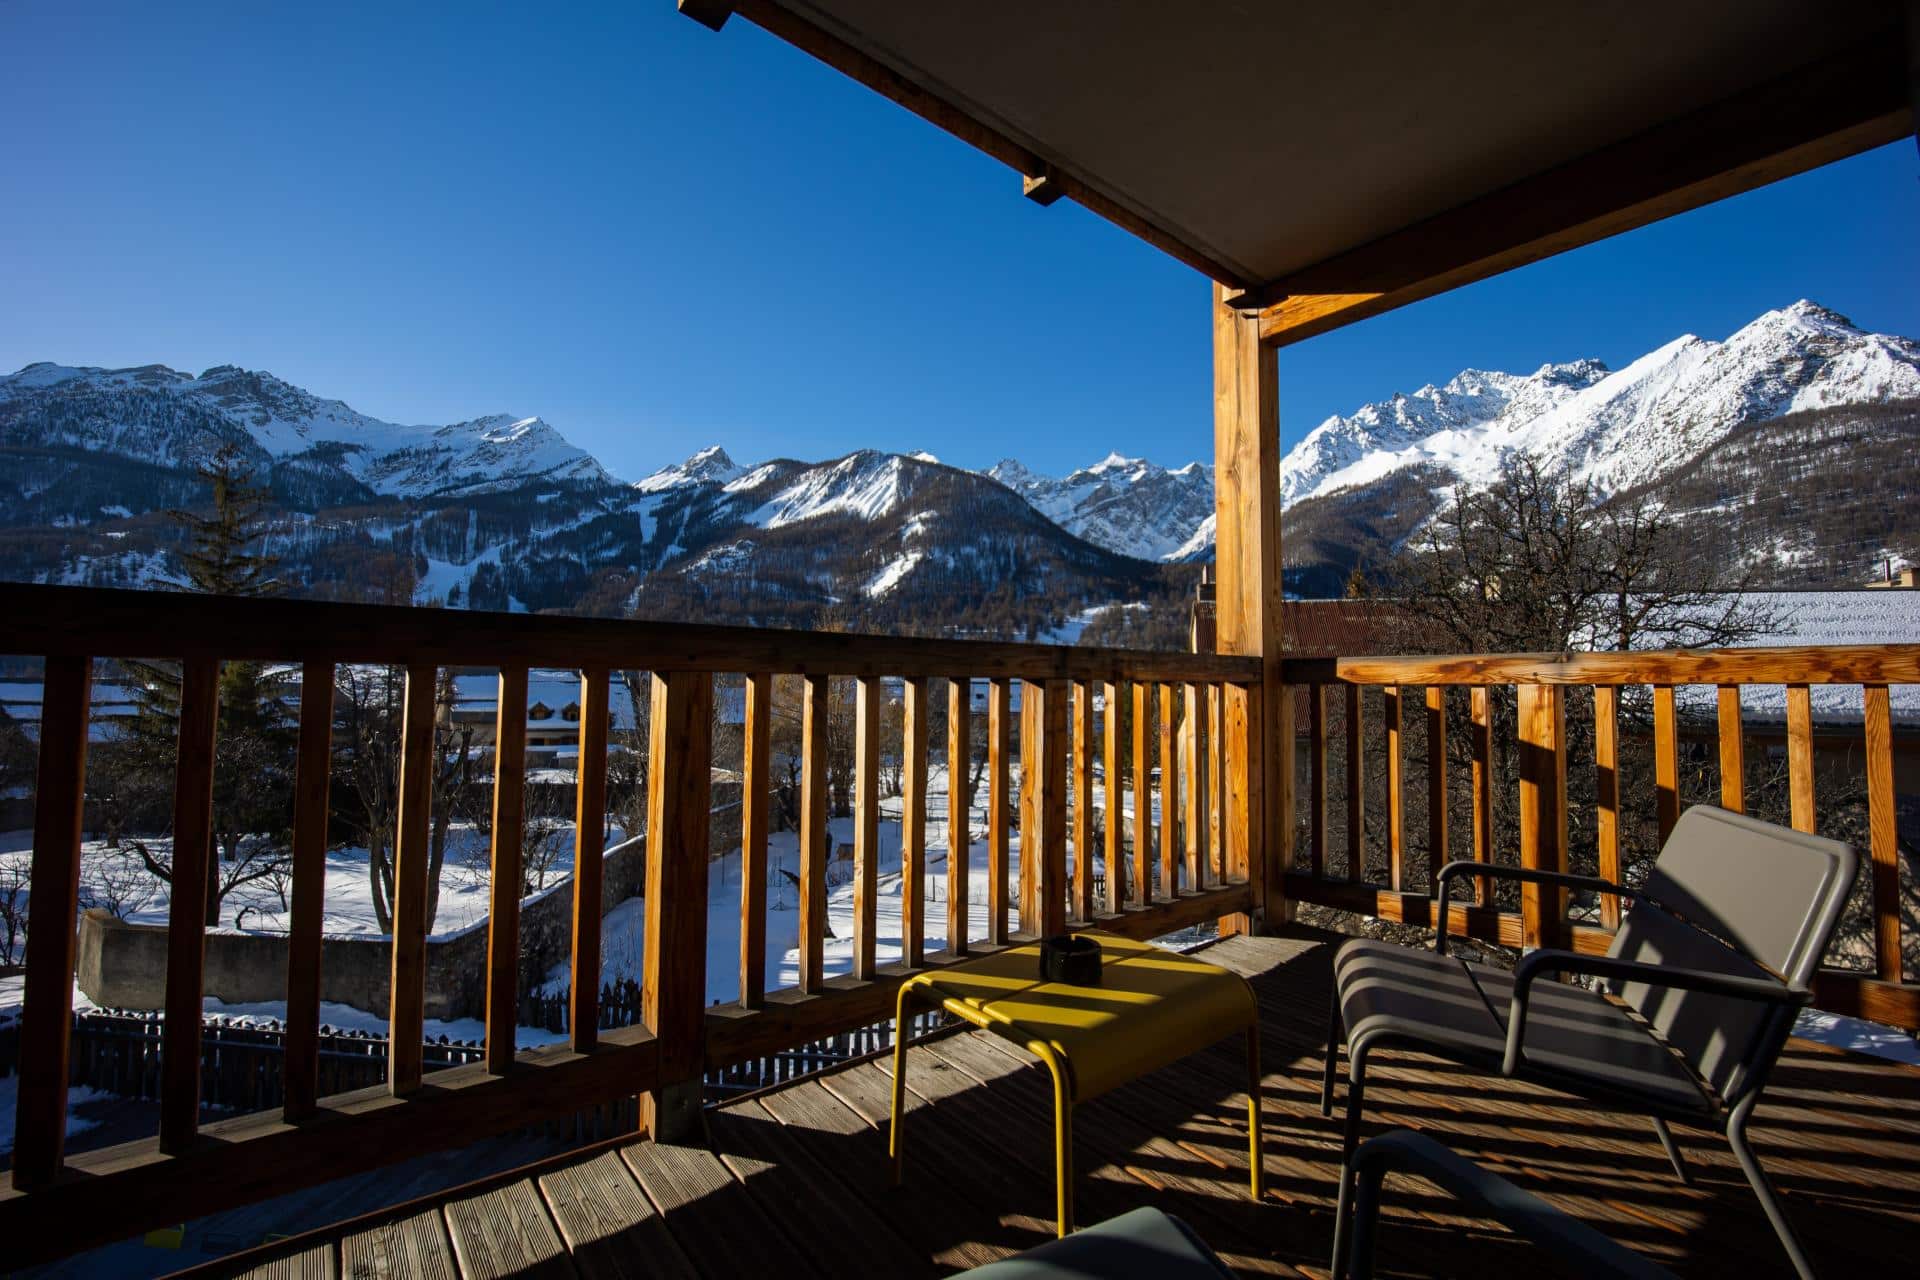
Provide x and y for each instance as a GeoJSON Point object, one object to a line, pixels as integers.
{"type": "Point", "coordinates": [1339, 159]}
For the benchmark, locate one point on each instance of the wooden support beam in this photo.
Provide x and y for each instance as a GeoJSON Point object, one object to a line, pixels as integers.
{"type": "Point", "coordinates": [1042, 190]}
{"type": "Point", "coordinates": [959, 810]}
{"type": "Point", "coordinates": [509, 826]}
{"type": "Point", "coordinates": [1246, 447]}
{"type": "Point", "coordinates": [313, 780]}
{"type": "Point", "coordinates": [673, 989]}
{"type": "Point", "coordinates": [589, 854]}
{"type": "Point", "coordinates": [711, 14]}
{"type": "Point", "coordinates": [407, 995]}
{"type": "Point", "coordinates": [866, 824]}
{"type": "Point", "coordinates": [1846, 103]}
{"type": "Point", "coordinates": [1043, 833]}
{"type": "Point", "coordinates": [756, 781]}
{"type": "Point", "coordinates": [915, 714]}
{"type": "Point", "coordinates": [59, 806]}
{"type": "Point", "coordinates": [1169, 795]}
{"type": "Point", "coordinates": [815, 848]}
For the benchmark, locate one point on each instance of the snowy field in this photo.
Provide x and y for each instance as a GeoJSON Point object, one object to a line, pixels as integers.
{"type": "Point", "coordinates": [1826, 618]}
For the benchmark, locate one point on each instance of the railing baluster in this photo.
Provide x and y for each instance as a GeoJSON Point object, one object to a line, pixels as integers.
{"type": "Point", "coordinates": [1479, 711]}
{"type": "Point", "coordinates": [673, 987]}
{"type": "Point", "coordinates": [407, 998]}
{"type": "Point", "coordinates": [755, 781]}
{"type": "Point", "coordinates": [1800, 755]}
{"type": "Point", "coordinates": [1194, 786]}
{"type": "Point", "coordinates": [589, 853]}
{"type": "Point", "coordinates": [1242, 778]}
{"type": "Point", "coordinates": [1113, 693]}
{"type": "Point", "coordinates": [1543, 811]}
{"type": "Point", "coordinates": [1883, 836]}
{"type": "Point", "coordinates": [1082, 800]}
{"type": "Point", "coordinates": [1356, 787]}
{"type": "Point", "coordinates": [1169, 796]}
{"type": "Point", "coordinates": [1317, 780]}
{"type": "Point", "coordinates": [313, 773]}
{"type": "Point", "coordinates": [59, 806]}
{"type": "Point", "coordinates": [1666, 760]}
{"type": "Point", "coordinates": [814, 847]}
{"type": "Point", "coordinates": [1436, 782]}
{"type": "Point", "coordinates": [999, 764]}
{"type": "Point", "coordinates": [959, 811]}
{"type": "Point", "coordinates": [913, 822]}
{"type": "Point", "coordinates": [1216, 782]}
{"type": "Point", "coordinates": [509, 821]}
{"type": "Point", "coordinates": [1142, 794]}
{"type": "Point", "coordinates": [1396, 787]}
{"type": "Point", "coordinates": [1032, 711]}
{"type": "Point", "coordinates": [1606, 766]}
{"type": "Point", "coordinates": [187, 909]}
{"type": "Point", "coordinates": [1733, 751]}
{"type": "Point", "coordinates": [1043, 844]}
{"type": "Point", "coordinates": [866, 824]}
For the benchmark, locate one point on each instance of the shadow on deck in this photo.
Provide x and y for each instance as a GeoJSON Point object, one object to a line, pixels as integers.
{"type": "Point", "coordinates": [794, 1181]}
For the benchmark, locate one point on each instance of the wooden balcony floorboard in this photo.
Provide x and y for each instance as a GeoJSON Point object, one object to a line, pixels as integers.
{"type": "Point", "coordinates": [795, 1181]}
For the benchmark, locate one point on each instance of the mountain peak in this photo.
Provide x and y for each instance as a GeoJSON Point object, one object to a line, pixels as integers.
{"type": "Point", "coordinates": [709, 466]}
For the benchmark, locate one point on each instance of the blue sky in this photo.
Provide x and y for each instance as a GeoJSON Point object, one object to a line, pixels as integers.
{"type": "Point", "coordinates": [657, 237]}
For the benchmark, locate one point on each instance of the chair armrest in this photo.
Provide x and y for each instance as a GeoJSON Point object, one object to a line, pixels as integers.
{"type": "Point", "coordinates": [1494, 871]}
{"type": "Point", "coordinates": [1763, 990]}
{"type": "Point", "coordinates": [1573, 1244]}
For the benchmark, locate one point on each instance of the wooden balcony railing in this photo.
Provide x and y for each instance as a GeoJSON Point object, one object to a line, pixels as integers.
{"type": "Point", "coordinates": [1540, 682]}
{"type": "Point", "coordinates": [57, 1205]}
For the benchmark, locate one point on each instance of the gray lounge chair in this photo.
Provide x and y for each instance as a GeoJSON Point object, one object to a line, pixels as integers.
{"type": "Point", "coordinates": [1705, 975]}
{"type": "Point", "coordinates": [1577, 1248]}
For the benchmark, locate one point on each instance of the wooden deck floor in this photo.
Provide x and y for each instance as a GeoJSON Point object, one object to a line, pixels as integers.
{"type": "Point", "coordinates": [794, 1182]}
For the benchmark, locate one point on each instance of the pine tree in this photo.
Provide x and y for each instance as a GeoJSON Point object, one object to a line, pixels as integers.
{"type": "Point", "coordinates": [220, 559]}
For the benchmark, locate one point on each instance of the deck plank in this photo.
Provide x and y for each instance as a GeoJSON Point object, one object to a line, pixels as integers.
{"type": "Point", "coordinates": [506, 1232]}
{"type": "Point", "coordinates": [714, 1220]}
{"type": "Point", "coordinates": [315, 1262]}
{"type": "Point", "coordinates": [406, 1248]}
{"type": "Point", "coordinates": [608, 1223]}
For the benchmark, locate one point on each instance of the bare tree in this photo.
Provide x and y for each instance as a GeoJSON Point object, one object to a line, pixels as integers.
{"type": "Point", "coordinates": [13, 911]}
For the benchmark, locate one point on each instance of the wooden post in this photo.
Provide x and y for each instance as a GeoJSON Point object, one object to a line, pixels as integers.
{"type": "Point", "coordinates": [1666, 761]}
{"type": "Point", "coordinates": [1882, 835]}
{"type": "Point", "coordinates": [1480, 712]}
{"type": "Point", "coordinates": [1246, 447]}
{"type": "Point", "coordinates": [1543, 811]}
{"type": "Point", "coordinates": [959, 811]}
{"type": "Point", "coordinates": [1194, 785]}
{"type": "Point", "coordinates": [407, 996]}
{"type": "Point", "coordinates": [866, 824]}
{"type": "Point", "coordinates": [814, 848]}
{"type": "Point", "coordinates": [1396, 789]}
{"type": "Point", "coordinates": [589, 854]}
{"type": "Point", "coordinates": [509, 820]}
{"type": "Point", "coordinates": [1800, 756]}
{"type": "Point", "coordinates": [1436, 783]}
{"type": "Point", "coordinates": [187, 909]}
{"type": "Point", "coordinates": [1043, 830]}
{"type": "Point", "coordinates": [59, 805]}
{"type": "Point", "coordinates": [1317, 780]}
{"type": "Point", "coordinates": [755, 780]}
{"type": "Point", "coordinates": [1356, 785]}
{"type": "Point", "coordinates": [313, 776]}
{"type": "Point", "coordinates": [913, 822]}
{"type": "Point", "coordinates": [1733, 751]}
{"type": "Point", "coordinates": [673, 992]}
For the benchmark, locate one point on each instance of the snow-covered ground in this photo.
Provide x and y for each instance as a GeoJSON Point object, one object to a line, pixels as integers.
{"type": "Point", "coordinates": [1884, 616]}
{"type": "Point", "coordinates": [77, 1096]}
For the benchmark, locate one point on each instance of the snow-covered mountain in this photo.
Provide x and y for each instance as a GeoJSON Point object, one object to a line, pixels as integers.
{"type": "Point", "coordinates": [1618, 428]}
{"type": "Point", "coordinates": [160, 416]}
{"type": "Point", "coordinates": [1128, 505]}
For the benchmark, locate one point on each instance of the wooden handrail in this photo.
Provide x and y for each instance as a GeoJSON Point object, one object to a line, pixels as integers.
{"type": "Point", "coordinates": [45, 621]}
{"type": "Point", "coordinates": [1802, 664]}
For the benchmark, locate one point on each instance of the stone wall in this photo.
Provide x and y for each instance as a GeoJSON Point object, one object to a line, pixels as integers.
{"type": "Point", "coordinates": [124, 966]}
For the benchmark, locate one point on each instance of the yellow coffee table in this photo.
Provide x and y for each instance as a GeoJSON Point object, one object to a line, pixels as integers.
{"type": "Point", "coordinates": [1151, 1008]}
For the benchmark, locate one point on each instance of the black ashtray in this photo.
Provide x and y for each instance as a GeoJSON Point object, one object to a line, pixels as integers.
{"type": "Point", "coordinates": [1070, 958]}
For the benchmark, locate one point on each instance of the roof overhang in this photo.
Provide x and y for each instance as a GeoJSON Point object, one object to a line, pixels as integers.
{"type": "Point", "coordinates": [1332, 161]}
